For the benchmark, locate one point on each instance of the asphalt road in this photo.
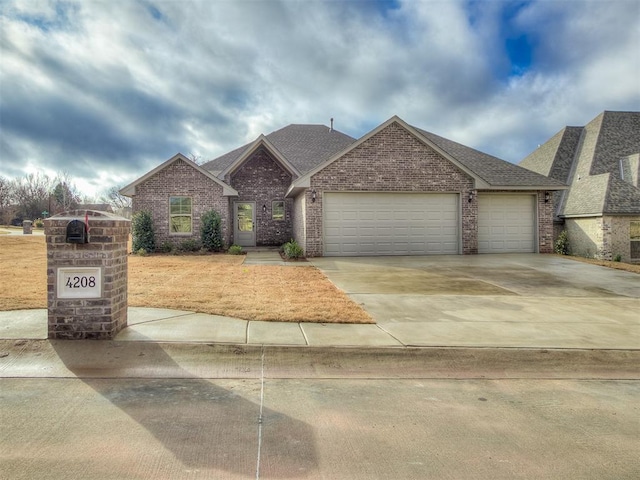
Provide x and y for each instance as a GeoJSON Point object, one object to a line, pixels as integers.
{"type": "Point", "coordinates": [133, 410]}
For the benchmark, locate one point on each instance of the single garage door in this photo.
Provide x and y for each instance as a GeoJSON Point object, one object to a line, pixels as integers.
{"type": "Point", "coordinates": [390, 224]}
{"type": "Point", "coordinates": [506, 223]}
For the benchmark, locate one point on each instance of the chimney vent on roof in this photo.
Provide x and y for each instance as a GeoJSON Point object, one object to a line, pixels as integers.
{"type": "Point", "coordinates": [331, 127]}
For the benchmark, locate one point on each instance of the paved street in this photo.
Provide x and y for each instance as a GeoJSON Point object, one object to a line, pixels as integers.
{"type": "Point", "coordinates": [113, 410]}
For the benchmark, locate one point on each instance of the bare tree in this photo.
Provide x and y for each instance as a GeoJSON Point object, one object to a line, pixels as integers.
{"type": "Point", "coordinates": [31, 194]}
{"type": "Point", "coordinates": [65, 195]}
{"type": "Point", "coordinates": [116, 199]}
{"type": "Point", "coordinates": [6, 198]}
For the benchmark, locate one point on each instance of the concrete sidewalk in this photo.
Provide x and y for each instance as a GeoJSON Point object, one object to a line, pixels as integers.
{"type": "Point", "coordinates": [518, 301]}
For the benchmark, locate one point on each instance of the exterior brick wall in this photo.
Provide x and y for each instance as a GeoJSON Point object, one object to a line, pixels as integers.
{"type": "Point", "coordinates": [621, 236]}
{"type": "Point", "coordinates": [601, 237]}
{"type": "Point", "coordinates": [88, 318]}
{"type": "Point", "coordinates": [585, 236]}
{"type": "Point", "coordinates": [261, 179]}
{"type": "Point", "coordinates": [392, 160]}
{"type": "Point", "coordinates": [545, 223]}
{"type": "Point", "coordinates": [181, 179]}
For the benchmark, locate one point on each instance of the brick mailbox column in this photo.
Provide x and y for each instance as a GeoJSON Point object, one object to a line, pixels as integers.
{"type": "Point", "coordinates": [86, 274]}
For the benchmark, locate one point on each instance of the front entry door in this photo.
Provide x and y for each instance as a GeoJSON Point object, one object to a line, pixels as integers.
{"type": "Point", "coordinates": [244, 229]}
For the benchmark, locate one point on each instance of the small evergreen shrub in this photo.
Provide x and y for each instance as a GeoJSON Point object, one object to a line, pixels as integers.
{"type": "Point", "coordinates": [617, 258]}
{"type": "Point", "coordinates": [292, 250]}
{"type": "Point", "coordinates": [235, 250]}
{"type": "Point", "coordinates": [142, 231]}
{"type": "Point", "coordinates": [38, 223]}
{"type": "Point", "coordinates": [211, 231]}
{"type": "Point", "coordinates": [189, 245]}
{"type": "Point", "coordinates": [141, 252]}
{"type": "Point", "coordinates": [561, 247]}
{"type": "Point", "coordinates": [167, 247]}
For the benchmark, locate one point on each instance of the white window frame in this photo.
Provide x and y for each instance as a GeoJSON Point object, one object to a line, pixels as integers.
{"type": "Point", "coordinates": [181, 214]}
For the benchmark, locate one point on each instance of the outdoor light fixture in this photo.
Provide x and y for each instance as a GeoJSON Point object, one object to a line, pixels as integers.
{"type": "Point", "coordinates": [547, 197]}
{"type": "Point", "coordinates": [264, 209]}
{"type": "Point", "coordinates": [470, 197]}
{"type": "Point", "coordinates": [313, 196]}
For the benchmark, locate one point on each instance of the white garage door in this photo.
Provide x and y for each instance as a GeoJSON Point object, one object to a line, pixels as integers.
{"type": "Point", "coordinates": [506, 223]}
{"type": "Point", "coordinates": [390, 224]}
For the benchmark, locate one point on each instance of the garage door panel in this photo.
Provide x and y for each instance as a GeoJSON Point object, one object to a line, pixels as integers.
{"type": "Point", "coordinates": [403, 224]}
{"type": "Point", "coordinates": [506, 223]}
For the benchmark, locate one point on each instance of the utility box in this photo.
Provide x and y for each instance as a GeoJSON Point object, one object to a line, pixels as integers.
{"type": "Point", "coordinates": [86, 274]}
{"type": "Point", "coordinates": [27, 227]}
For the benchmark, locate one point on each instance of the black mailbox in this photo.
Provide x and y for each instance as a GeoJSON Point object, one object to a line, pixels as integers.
{"type": "Point", "coordinates": [77, 232]}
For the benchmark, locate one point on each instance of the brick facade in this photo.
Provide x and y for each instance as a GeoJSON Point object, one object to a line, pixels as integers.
{"type": "Point", "coordinates": [263, 180]}
{"type": "Point", "coordinates": [602, 237]}
{"type": "Point", "coordinates": [392, 160]}
{"type": "Point", "coordinates": [181, 179]}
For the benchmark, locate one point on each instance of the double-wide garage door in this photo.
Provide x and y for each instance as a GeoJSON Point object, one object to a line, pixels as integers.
{"type": "Point", "coordinates": [390, 224]}
{"type": "Point", "coordinates": [506, 223]}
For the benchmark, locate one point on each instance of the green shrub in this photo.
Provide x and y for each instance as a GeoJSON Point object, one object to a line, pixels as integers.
{"type": "Point", "coordinates": [617, 258]}
{"type": "Point", "coordinates": [141, 252]}
{"type": "Point", "coordinates": [189, 245]}
{"type": "Point", "coordinates": [38, 223]}
{"type": "Point", "coordinates": [211, 232]}
{"type": "Point", "coordinates": [167, 247]}
{"type": "Point", "coordinates": [292, 250]}
{"type": "Point", "coordinates": [561, 247]}
{"type": "Point", "coordinates": [142, 232]}
{"type": "Point", "coordinates": [235, 250]}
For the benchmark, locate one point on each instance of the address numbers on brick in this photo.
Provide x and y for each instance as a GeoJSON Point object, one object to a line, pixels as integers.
{"type": "Point", "coordinates": [79, 282]}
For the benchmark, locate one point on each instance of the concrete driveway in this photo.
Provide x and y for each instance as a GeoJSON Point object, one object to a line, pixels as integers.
{"type": "Point", "coordinates": [520, 300]}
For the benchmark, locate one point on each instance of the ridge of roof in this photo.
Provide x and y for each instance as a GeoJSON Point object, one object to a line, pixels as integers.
{"type": "Point", "coordinates": [302, 145]}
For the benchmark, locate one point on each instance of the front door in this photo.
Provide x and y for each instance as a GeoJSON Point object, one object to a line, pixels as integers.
{"type": "Point", "coordinates": [244, 228]}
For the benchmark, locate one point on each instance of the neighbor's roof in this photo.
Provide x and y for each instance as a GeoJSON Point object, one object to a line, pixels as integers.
{"type": "Point", "coordinates": [303, 146]}
{"type": "Point", "coordinates": [598, 161]}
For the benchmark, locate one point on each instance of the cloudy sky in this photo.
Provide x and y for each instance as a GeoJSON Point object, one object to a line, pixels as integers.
{"type": "Point", "coordinates": [107, 90]}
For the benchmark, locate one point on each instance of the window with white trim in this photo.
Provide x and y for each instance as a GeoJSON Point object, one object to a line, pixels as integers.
{"type": "Point", "coordinates": [180, 215]}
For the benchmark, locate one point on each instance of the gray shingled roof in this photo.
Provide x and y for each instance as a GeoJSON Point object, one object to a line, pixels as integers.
{"type": "Point", "coordinates": [492, 170]}
{"type": "Point", "coordinates": [593, 159]}
{"type": "Point", "coordinates": [304, 146]}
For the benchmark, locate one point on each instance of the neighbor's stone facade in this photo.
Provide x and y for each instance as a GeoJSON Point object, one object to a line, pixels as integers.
{"type": "Point", "coordinates": [181, 179]}
{"type": "Point", "coordinates": [261, 179]}
{"type": "Point", "coordinates": [88, 318]}
{"type": "Point", "coordinates": [602, 237]}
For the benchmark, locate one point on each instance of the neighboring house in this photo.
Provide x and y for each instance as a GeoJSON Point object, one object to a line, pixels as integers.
{"type": "Point", "coordinates": [601, 164]}
{"type": "Point", "coordinates": [398, 190]}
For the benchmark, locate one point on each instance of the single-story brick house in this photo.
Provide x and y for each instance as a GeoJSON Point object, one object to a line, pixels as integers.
{"type": "Point", "coordinates": [601, 164]}
{"type": "Point", "coordinates": [398, 190]}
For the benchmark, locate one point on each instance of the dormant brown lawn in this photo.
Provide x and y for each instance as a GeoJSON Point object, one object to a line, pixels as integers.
{"type": "Point", "coordinates": [215, 284]}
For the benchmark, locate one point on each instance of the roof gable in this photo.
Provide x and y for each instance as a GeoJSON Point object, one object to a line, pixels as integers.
{"type": "Point", "coordinates": [301, 147]}
{"type": "Point", "coordinates": [487, 172]}
{"type": "Point", "coordinates": [260, 142]}
{"type": "Point", "coordinates": [598, 161]}
{"type": "Point", "coordinates": [130, 190]}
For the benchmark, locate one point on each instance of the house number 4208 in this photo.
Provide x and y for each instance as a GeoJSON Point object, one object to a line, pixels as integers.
{"type": "Point", "coordinates": [81, 282]}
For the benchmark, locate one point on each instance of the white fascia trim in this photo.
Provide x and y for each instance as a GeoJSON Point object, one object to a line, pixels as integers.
{"type": "Point", "coordinates": [130, 190]}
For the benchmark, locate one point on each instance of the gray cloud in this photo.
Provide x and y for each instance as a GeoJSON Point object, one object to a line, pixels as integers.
{"type": "Point", "coordinates": [108, 90]}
